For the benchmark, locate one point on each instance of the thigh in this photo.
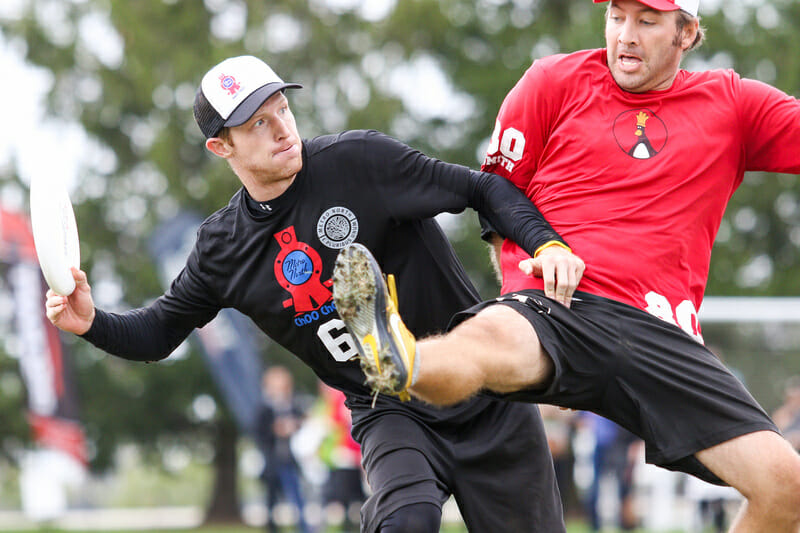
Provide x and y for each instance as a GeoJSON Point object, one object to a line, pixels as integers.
{"type": "Point", "coordinates": [686, 400]}
{"type": "Point", "coordinates": [401, 462]}
{"type": "Point", "coordinates": [644, 374]}
{"type": "Point", "coordinates": [504, 476]}
{"type": "Point", "coordinates": [753, 463]}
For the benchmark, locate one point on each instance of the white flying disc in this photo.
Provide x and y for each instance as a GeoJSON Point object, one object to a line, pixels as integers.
{"type": "Point", "coordinates": [55, 233]}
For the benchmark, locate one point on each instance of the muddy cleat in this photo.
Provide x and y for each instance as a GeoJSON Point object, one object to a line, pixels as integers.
{"type": "Point", "coordinates": [387, 350]}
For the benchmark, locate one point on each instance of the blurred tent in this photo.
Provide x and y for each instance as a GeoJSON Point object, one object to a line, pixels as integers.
{"type": "Point", "coordinates": [59, 457]}
{"type": "Point", "coordinates": [227, 342]}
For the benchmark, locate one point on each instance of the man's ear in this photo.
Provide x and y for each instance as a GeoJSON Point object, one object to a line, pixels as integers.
{"type": "Point", "coordinates": [219, 147]}
{"type": "Point", "coordinates": [690, 34]}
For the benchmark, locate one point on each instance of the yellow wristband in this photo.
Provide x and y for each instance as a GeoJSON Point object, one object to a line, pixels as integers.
{"type": "Point", "coordinates": [548, 244]}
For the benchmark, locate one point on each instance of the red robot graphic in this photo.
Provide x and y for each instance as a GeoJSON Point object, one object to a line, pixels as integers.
{"type": "Point", "coordinates": [298, 269]}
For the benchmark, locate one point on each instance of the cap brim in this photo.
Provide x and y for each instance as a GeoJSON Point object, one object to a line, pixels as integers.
{"type": "Point", "coordinates": [250, 105]}
{"type": "Point", "coordinates": [659, 5]}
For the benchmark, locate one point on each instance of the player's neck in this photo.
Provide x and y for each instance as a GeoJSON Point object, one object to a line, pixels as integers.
{"type": "Point", "coordinates": [264, 191]}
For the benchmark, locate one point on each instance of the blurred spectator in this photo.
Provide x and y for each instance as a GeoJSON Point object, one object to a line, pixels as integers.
{"type": "Point", "coordinates": [711, 504]}
{"type": "Point", "coordinates": [344, 489]}
{"type": "Point", "coordinates": [787, 416]}
{"type": "Point", "coordinates": [279, 419]}
{"type": "Point", "coordinates": [558, 425]}
{"type": "Point", "coordinates": [612, 458]}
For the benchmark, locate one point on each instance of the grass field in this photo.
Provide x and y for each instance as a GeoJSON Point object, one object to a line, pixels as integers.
{"type": "Point", "coordinates": [572, 527]}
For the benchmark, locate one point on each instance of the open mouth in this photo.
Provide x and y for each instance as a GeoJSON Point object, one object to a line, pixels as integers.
{"type": "Point", "coordinates": [628, 63]}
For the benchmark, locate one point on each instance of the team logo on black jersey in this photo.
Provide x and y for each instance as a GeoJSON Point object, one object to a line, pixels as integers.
{"type": "Point", "coordinates": [337, 227]}
{"type": "Point", "coordinates": [640, 133]}
{"type": "Point", "coordinates": [298, 269]}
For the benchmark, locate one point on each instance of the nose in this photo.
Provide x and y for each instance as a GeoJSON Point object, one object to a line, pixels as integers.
{"type": "Point", "coordinates": [282, 129]}
{"type": "Point", "coordinates": [627, 33]}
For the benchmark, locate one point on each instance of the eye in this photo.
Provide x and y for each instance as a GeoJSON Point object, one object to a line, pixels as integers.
{"type": "Point", "coordinates": [258, 122]}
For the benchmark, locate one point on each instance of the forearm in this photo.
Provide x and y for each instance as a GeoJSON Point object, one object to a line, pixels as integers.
{"type": "Point", "coordinates": [137, 335]}
{"type": "Point", "coordinates": [510, 213]}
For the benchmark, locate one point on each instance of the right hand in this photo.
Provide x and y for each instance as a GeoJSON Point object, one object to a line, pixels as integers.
{"type": "Point", "coordinates": [561, 270]}
{"type": "Point", "coordinates": [74, 313]}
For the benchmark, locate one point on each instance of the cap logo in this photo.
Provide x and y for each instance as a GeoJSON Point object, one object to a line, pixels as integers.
{"type": "Point", "coordinates": [229, 83]}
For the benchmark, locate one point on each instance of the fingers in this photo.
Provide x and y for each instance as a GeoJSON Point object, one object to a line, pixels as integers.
{"type": "Point", "coordinates": [568, 275]}
{"type": "Point", "coordinates": [569, 271]}
{"type": "Point", "coordinates": [74, 313]}
{"type": "Point", "coordinates": [561, 272]}
{"type": "Point", "coordinates": [549, 276]}
{"type": "Point", "coordinates": [54, 306]}
{"type": "Point", "coordinates": [526, 266]}
{"type": "Point", "coordinates": [80, 277]}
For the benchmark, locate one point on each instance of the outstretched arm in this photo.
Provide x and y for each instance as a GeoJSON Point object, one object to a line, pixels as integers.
{"type": "Point", "coordinates": [140, 335]}
{"type": "Point", "coordinates": [416, 186]}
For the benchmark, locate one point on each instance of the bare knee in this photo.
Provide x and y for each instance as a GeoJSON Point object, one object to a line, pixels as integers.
{"type": "Point", "coordinates": [495, 350]}
{"type": "Point", "coordinates": [779, 499]}
{"type": "Point", "coordinates": [513, 358]}
{"type": "Point", "coordinates": [765, 469]}
{"type": "Point", "coordinates": [782, 470]}
{"type": "Point", "coordinates": [501, 328]}
{"type": "Point", "coordinates": [785, 488]}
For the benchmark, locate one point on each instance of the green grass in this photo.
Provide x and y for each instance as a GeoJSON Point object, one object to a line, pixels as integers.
{"type": "Point", "coordinates": [572, 527]}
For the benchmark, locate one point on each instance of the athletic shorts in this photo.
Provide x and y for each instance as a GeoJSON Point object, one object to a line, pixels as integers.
{"type": "Point", "coordinates": [639, 371]}
{"type": "Point", "coordinates": [496, 464]}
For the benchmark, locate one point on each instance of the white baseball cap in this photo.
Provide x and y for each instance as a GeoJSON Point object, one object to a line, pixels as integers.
{"type": "Point", "coordinates": [690, 6]}
{"type": "Point", "coordinates": [232, 91]}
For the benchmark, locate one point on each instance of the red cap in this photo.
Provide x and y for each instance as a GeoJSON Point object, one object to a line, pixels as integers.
{"type": "Point", "coordinates": [690, 6]}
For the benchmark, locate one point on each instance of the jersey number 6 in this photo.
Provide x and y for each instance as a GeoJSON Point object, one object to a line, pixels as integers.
{"type": "Point", "coordinates": [337, 340]}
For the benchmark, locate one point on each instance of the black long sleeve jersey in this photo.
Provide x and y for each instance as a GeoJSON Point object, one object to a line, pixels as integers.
{"type": "Point", "coordinates": [273, 260]}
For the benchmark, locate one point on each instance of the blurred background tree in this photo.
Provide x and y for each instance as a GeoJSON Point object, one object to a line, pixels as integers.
{"type": "Point", "coordinates": [431, 72]}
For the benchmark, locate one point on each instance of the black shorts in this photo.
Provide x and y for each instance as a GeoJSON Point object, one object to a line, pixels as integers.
{"type": "Point", "coordinates": [641, 372]}
{"type": "Point", "coordinates": [496, 465]}
{"type": "Point", "coordinates": [343, 486]}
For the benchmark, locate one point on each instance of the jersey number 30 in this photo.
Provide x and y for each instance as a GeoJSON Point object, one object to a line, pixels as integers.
{"type": "Point", "coordinates": [684, 316]}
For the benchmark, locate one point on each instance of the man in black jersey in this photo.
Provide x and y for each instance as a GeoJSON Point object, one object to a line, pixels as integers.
{"type": "Point", "coordinates": [270, 254]}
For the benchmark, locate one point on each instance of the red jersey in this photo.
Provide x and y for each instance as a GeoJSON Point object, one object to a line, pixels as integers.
{"type": "Point", "coordinates": [637, 183]}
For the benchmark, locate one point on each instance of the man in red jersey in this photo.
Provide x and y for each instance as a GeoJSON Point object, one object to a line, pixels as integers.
{"type": "Point", "coordinates": [633, 161]}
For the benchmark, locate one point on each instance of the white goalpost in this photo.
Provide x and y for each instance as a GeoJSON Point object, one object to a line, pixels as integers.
{"type": "Point", "coordinates": [749, 309]}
